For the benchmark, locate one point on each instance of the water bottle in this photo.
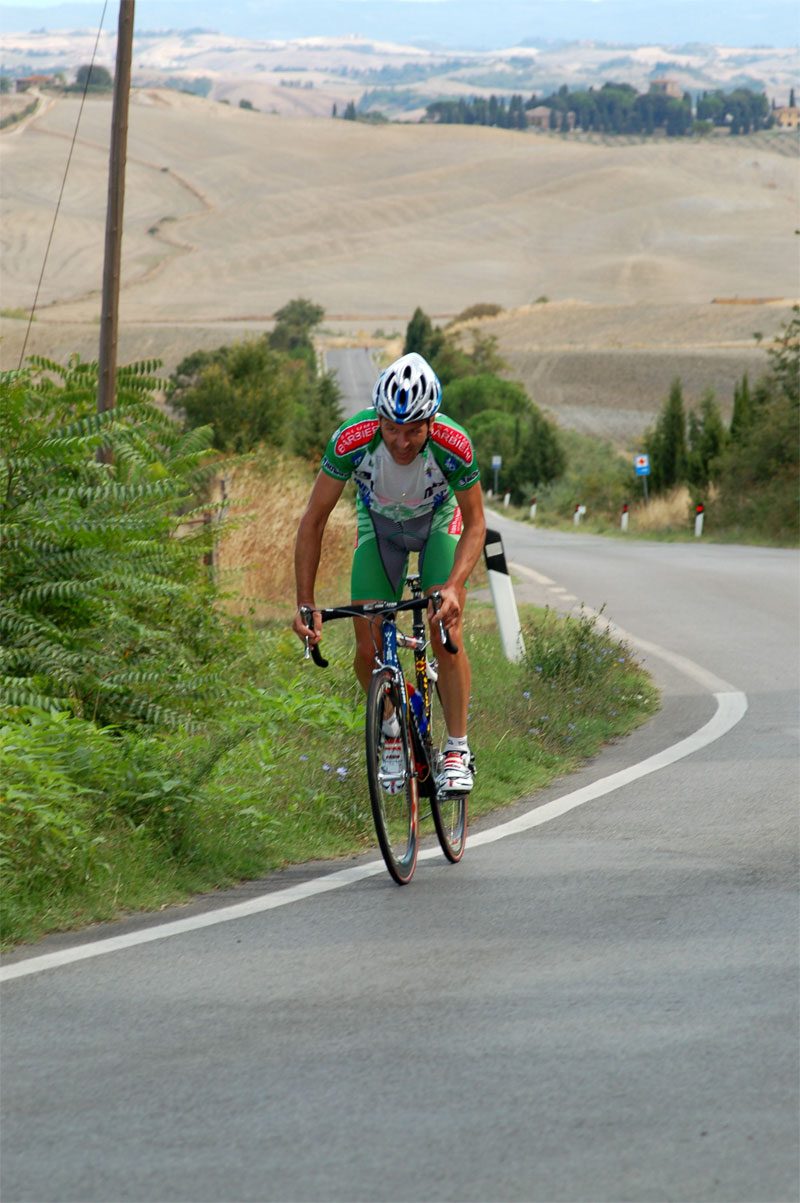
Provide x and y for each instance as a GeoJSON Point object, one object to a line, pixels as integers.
{"type": "Point", "coordinates": [419, 710]}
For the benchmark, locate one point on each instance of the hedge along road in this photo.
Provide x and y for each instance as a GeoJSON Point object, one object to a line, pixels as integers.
{"type": "Point", "coordinates": [602, 1006]}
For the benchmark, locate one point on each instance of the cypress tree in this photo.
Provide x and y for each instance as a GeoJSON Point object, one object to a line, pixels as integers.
{"type": "Point", "coordinates": [667, 444]}
{"type": "Point", "coordinates": [742, 418]}
{"type": "Point", "coordinates": [707, 438]}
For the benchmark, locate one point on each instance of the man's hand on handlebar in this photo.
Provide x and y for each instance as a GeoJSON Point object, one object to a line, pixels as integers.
{"type": "Point", "coordinates": [307, 624]}
{"type": "Point", "coordinates": [449, 611]}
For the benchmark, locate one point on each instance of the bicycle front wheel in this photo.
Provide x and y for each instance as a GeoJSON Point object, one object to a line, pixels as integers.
{"type": "Point", "coordinates": [392, 783]}
{"type": "Point", "coordinates": [449, 811]}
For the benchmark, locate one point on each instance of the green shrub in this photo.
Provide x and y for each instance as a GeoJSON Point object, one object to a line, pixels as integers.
{"type": "Point", "coordinates": [47, 802]}
{"type": "Point", "coordinates": [105, 613]}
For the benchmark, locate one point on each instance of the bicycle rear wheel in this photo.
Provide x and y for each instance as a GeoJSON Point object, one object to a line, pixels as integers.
{"type": "Point", "coordinates": [449, 812]}
{"type": "Point", "coordinates": [395, 801]}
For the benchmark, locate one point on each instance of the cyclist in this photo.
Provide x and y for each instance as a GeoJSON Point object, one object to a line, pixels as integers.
{"type": "Point", "coordinates": [418, 490]}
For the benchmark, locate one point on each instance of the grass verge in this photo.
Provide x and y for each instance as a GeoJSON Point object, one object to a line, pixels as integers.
{"type": "Point", "coordinates": [139, 822]}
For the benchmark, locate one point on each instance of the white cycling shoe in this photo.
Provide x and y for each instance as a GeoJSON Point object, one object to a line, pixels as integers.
{"type": "Point", "coordinates": [456, 775]}
{"type": "Point", "coordinates": [392, 770]}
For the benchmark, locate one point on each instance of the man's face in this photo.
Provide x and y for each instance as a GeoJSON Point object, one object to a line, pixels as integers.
{"type": "Point", "coordinates": [405, 440]}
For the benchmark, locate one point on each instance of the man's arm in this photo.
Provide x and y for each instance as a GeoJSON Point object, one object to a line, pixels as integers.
{"type": "Point", "coordinates": [468, 550]}
{"type": "Point", "coordinates": [308, 546]}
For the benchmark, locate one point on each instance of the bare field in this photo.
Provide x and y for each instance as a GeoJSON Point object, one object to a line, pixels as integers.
{"type": "Point", "coordinates": [230, 213]}
{"type": "Point", "coordinates": [607, 370]}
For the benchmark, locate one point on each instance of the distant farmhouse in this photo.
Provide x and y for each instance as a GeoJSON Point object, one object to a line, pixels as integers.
{"type": "Point", "coordinates": [788, 117]}
{"type": "Point", "coordinates": [667, 87]}
{"type": "Point", "coordinates": [544, 117]}
{"type": "Point", "coordinates": [34, 81]}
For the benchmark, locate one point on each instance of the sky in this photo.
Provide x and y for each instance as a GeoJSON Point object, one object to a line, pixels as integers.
{"type": "Point", "coordinates": [456, 24]}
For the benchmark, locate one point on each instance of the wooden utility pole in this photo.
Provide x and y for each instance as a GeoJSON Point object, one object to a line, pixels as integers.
{"type": "Point", "coordinates": [106, 389]}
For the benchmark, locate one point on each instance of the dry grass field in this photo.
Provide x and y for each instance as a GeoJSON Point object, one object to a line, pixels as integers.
{"type": "Point", "coordinates": [231, 213]}
{"type": "Point", "coordinates": [255, 558]}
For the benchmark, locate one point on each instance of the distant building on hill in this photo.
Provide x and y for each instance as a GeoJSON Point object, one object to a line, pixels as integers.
{"type": "Point", "coordinates": [539, 117]}
{"type": "Point", "coordinates": [34, 81]}
{"type": "Point", "coordinates": [787, 117]}
{"type": "Point", "coordinates": [545, 117]}
{"type": "Point", "coordinates": [666, 87]}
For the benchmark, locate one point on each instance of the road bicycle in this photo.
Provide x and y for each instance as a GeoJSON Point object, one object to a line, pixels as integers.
{"type": "Point", "coordinates": [396, 801]}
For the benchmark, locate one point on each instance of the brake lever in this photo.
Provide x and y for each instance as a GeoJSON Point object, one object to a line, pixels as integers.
{"type": "Point", "coordinates": [447, 642]}
{"type": "Point", "coordinates": [307, 615]}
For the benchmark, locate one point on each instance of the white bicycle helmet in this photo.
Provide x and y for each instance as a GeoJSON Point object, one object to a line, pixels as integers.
{"type": "Point", "coordinates": [408, 391]}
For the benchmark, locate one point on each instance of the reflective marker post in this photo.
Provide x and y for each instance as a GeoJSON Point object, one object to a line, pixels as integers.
{"type": "Point", "coordinates": [698, 521]}
{"type": "Point", "coordinates": [624, 519]}
{"type": "Point", "coordinates": [505, 604]}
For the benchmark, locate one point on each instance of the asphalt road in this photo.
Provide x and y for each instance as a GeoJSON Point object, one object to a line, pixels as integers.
{"type": "Point", "coordinates": [356, 373]}
{"type": "Point", "coordinates": [600, 1007]}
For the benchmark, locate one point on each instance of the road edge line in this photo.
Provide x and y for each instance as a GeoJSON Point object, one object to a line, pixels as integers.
{"type": "Point", "coordinates": [731, 708]}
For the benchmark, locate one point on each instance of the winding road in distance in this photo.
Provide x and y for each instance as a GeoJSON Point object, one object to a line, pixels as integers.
{"type": "Point", "coordinates": [598, 1003]}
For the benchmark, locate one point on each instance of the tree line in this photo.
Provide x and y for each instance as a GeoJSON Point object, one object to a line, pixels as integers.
{"type": "Point", "coordinates": [615, 108]}
{"type": "Point", "coordinates": [752, 466]}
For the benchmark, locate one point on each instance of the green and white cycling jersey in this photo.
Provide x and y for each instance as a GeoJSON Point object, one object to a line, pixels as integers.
{"type": "Point", "coordinates": [402, 507]}
{"type": "Point", "coordinates": [395, 491]}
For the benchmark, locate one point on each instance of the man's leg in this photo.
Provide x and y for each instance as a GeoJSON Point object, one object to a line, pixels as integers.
{"type": "Point", "coordinates": [368, 583]}
{"type": "Point", "coordinates": [455, 674]}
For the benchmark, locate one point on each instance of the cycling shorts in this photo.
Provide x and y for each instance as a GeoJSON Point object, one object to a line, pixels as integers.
{"type": "Point", "coordinates": [369, 580]}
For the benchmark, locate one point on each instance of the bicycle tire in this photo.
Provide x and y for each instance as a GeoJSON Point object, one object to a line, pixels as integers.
{"type": "Point", "coordinates": [449, 812]}
{"type": "Point", "coordinates": [395, 810]}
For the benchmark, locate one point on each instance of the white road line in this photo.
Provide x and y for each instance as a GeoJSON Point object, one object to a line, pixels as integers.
{"type": "Point", "coordinates": [731, 708]}
{"type": "Point", "coordinates": [535, 576]}
{"type": "Point", "coordinates": [689, 668]}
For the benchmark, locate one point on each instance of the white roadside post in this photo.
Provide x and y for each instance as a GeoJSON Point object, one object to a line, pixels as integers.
{"type": "Point", "coordinates": [698, 521]}
{"type": "Point", "coordinates": [507, 500]}
{"type": "Point", "coordinates": [580, 510]}
{"type": "Point", "coordinates": [503, 599]}
{"type": "Point", "coordinates": [624, 519]}
{"type": "Point", "coordinates": [533, 509]}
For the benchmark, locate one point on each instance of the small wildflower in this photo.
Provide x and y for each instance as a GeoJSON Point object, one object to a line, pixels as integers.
{"type": "Point", "coordinates": [526, 693]}
{"type": "Point", "coordinates": [326, 768]}
{"type": "Point", "coordinates": [304, 758]}
{"type": "Point", "coordinates": [342, 771]}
